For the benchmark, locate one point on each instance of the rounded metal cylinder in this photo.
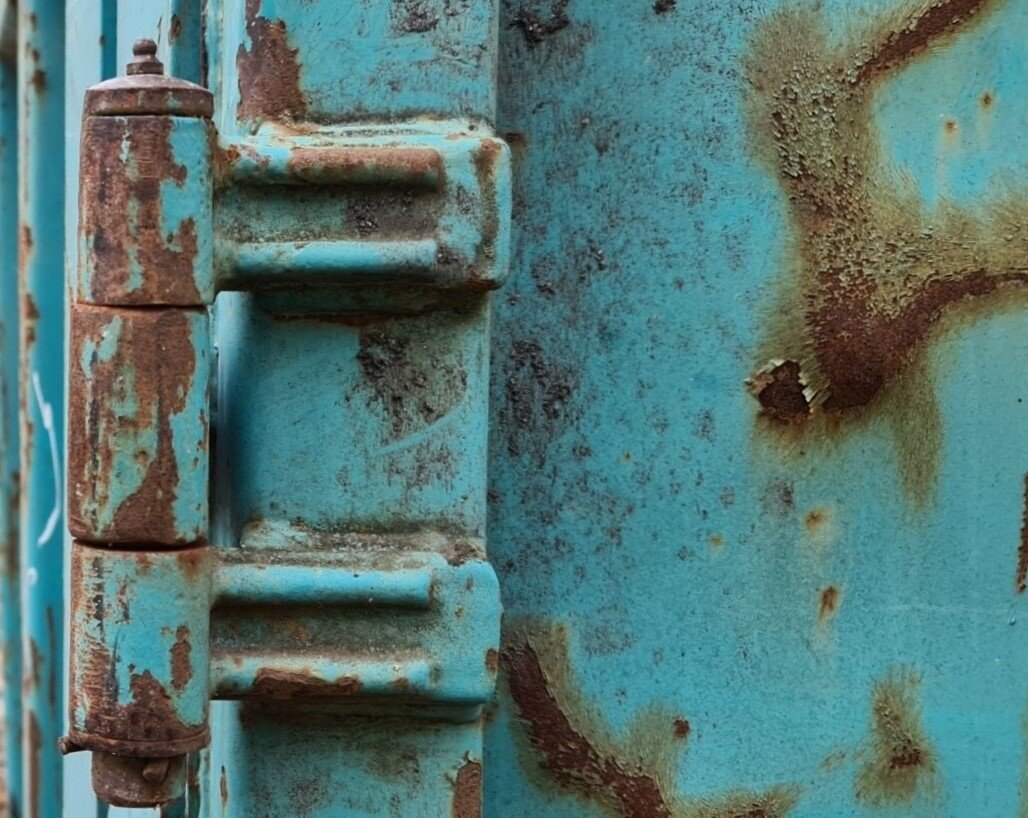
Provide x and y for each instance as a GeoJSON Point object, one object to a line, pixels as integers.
{"type": "Point", "coordinates": [140, 650]}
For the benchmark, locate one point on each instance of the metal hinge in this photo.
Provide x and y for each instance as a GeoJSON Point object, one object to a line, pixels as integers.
{"type": "Point", "coordinates": [162, 622]}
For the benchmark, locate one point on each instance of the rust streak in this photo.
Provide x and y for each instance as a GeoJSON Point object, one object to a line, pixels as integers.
{"type": "Point", "coordinates": [1021, 580]}
{"type": "Point", "coordinates": [632, 776]}
{"type": "Point", "coordinates": [568, 755]}
{"type": "Point", "coordinates": [899, 764]}
{"type": "Point", "coordinates": [829, 603]}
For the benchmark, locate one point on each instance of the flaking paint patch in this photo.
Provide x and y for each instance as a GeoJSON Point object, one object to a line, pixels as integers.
{"type": "Point", "coordinates": [269, 71]}
{"type": "Point", "coordinates": [629, 775]}
{"type": "Point", "coordinates": [899, 766]}
{"type": "Point", "coordinates": [467, 791]}
{"type": "Point", "coordinates": [872, 276]}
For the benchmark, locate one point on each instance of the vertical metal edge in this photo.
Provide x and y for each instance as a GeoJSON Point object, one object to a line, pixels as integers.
{"type": "Point", "coordinates": [10, 615]}
{"type": "Point", "coordinates": [91, 46]}
{"type": "Point", "coordinates": [41, 347]}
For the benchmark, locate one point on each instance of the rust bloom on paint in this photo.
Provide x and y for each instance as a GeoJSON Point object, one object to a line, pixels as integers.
{"type": "Point", "coordinates": [630, 775]}
{"type": "Point", "coordinates": [873, 274]}
{"type": "Point", "coordinates": [899, 763]}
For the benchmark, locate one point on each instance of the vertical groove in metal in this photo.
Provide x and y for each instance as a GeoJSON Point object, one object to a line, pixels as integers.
{"type": "Point", "coordinates": [9, 457]}
{"type": "Point", "coordinates": [109, 38]}
{"type": "Point", "coordinates": [184, 39]}
{"type": "Point", "coordinates": [41, 291]}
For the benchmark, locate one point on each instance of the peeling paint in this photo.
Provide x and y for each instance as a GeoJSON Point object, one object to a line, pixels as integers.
{"type": "Point", "coordinates": [269, 71]}
{"type": "Point", "coordinates": [873, 276]}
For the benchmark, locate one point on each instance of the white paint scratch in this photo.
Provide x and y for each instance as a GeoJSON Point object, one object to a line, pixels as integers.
{"type": "Point", "coordinates": [47, 413]}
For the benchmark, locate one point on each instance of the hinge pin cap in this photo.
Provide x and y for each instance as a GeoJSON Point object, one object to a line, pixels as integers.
{"type": "Point", "coordinates": [144, 58]}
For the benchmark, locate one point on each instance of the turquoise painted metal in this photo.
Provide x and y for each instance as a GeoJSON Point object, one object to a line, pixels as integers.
{"type": "Point", "coordinates": [748, 405]}
{"type": "Point", "coordinates": [40, 49]}
{"type": "Point", "coordinates": [10, 578]}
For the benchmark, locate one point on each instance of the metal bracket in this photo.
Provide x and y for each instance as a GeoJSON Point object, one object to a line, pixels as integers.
{"type": "Point", "coordinates": [162, 622]}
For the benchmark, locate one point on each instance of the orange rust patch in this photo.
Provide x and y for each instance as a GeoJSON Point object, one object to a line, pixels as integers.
{"type": "Point", "coordinates": [181, 667]}
{"type": "Point", "coordinates": [270, 683]}
{"type": "Point", "coordinates": [467, 791]}
{"type": "Point", "coordinates": [829, 603]}
{"type": "Point", "coordinates": [815, 519]}
{"type": "Point", "coordinates": [682, 729]}
{"type": "Point", "coordinates": [269, 72]}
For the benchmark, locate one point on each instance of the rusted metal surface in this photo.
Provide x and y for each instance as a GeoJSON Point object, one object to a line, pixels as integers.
{"type": "Point", "coordinates": [139, 651]}
{"type": "Point", "coordinates": [124, 781]}
{"type": "Point", "coordinates": [629, 775]}
{"type": "Point", "coordinates": [269, 71]}
{"type": "Point", "coordinates": [467, 791]}
{"type": "Point", "coordinates": [826, 200]}
{"type": "Point", "coordinates": [873, 278]}
{"type": "Point", "coordinates": [135, 251]}
{"type": "Point", "coordinates": [138, 426]}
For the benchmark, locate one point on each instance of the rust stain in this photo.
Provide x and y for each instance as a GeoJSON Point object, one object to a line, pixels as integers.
{"type": "Point", "coordinates": [815, 520]}
{"type": "Point", "coordinates": [152, 371]}
{"type": "Point", "coordinates": [1021, 579]}
{"type": "Point", "coordinates": [134, 260]}
{"type": "Point", "coordinates": [630, 775]}
{"type": "Point", "coordinates": [224, 789]}
{"type": "Point", "coordinates": [664, 6]}
{"type": "Point", "coordinates": [467, 791]}
{"type": "Point", "coordinates": [420, 167]}
{"type": "Point", "coordinates": [175, 29]}
{"type": "Point", "coordinates": [34, 741]}
{"type": "Point", "coordinates": [873, 274]}
{"type": "Point", "coordinates": [899, 764]}
{"type": "Point", "coordinates": [271, 683]}
{"type": "Point", "coordinates": [148, 716]}
{"type": "Point", "coordinates": [181, 667]}
{"type": "Point", "coordinates": [987, 99]}
{"type": "Point", "coordinates": [269, 72]}
{"type": "Point", "coordinates": [829, 603]}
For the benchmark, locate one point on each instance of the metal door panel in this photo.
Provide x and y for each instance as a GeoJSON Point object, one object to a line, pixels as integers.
{"type": "Point", "coordinates": [815, 615]}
